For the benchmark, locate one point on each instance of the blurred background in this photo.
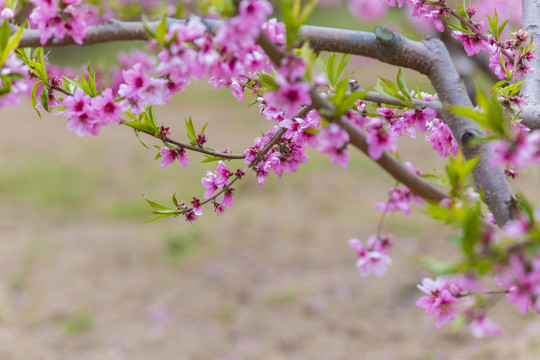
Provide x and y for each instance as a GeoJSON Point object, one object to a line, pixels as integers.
{"type": "Point", "coordinates": [273, 278]}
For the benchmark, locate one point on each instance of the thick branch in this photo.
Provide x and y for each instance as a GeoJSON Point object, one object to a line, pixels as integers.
{"type": "Point", "coordinates": [429, 57]}
{"type": "Point", "coordinates": [530, 116]}
{"type": "Point", "coordinates": [530, 22]}
{"type": "Point", "coordinates": [112, 30]}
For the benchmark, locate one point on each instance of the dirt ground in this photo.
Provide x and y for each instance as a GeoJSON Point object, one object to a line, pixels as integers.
{"type": "Point", "coordinates": [84, 278]}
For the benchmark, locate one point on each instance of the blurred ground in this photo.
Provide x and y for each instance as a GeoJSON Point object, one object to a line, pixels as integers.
{"type": "Point", "coordinates": [84, 278]}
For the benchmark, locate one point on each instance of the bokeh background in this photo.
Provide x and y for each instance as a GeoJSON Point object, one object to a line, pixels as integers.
{"type": "Point", "coordinates": [273, 278]}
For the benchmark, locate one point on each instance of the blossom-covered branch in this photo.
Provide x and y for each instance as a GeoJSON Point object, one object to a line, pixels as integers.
{"type": "Point", "coordinates": [358, 139]}
{"type": "Point", "coordinates": [378, 98]}
{"type": "Point", "coordinates": [429, 57]}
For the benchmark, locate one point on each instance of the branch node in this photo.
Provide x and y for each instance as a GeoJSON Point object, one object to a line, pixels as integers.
{"type": "Point", "coordinates": [384, 36]}
{"type": "Point", "coordinates": [466, 138]}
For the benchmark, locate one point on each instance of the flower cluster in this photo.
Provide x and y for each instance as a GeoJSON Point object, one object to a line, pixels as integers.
{"type": "Point", "coordinates": [293, 91]}
{"type": "Point", "coordinates": [441, 139]}
{"type": "Point", "coordinates": [87, 115]}
{"type": "Point", "coordinates": [400, 199]}
{"type": "Point", "coordinates": [383, 131]}
{"type": "Point", "coordinates": [372, 258]}
{"type": "Point", "coordinates": [12, 81]}
{"type": "Point", "coordinates": [333, 140]}
{"type": "Point", "coordinates": [521, 280]}
{"type": "Point", "coordinates": [285, 156]}
{"type": "Point", "coordinates": [58, 19]}
{"type": "Point", "coordinates": [219, 180]}
{"type": "Point", "coordinates": [443, 299]}
{"type": "Point", "coordinates": [520, 151]}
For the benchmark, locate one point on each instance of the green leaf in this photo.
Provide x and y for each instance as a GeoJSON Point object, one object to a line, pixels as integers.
{"type": "Point", "coordinates": [140, 139]}
{"type": "Point", "coordinates": [158, 207]}
{"type": "Point", "coordinates": [469, 113]}
{"type": "Point", "coordinates": [11, 45]}
{"type": "Point", "coordinates": [44, 98]}
{"type": "Point", "coordinates": [467, 167]}
{"type": "Point", "coordinates": [211, 159]}
{"type": "Point", "coordinates": [268, 82]}
{"type": "Point", "coordinates": [150, 121]}
{"type": "Point", "coordinates": [438, 266]}
{"type": "Point", "coordinates": [161, 30]}
{"type": "Point", "coordinates": [345, 59]}
{"type": "Point", "coordinates": [436, 180]}
{"type": "Point", "coordinates": [471, 229]}
{"type": "Point", "coordinates": [330, 70]}
{"type": "Point", "coordinates": [527, 207]}
{"type": "Point", "coordinates": [6, 82]}
{"type": "Point", "coordinates": [149, 30]}
{"type": "Point", "coordinates": [140, 126]}
{"type": "Point", "coordinates": [174, 200]}
{"type": "Point", "coordinates": [33, 100]}
{"type": "Point", "coordinates": [404, 89]}
{"type": "Point", "coordinates": [5, 33]}
{"type": "Point", "coordinates": [190, 131]}
{"type": "Point", "coordinates": [501, 28]}
{"type": "Point", "coordinates": [350, 100]}
{"type": "Point", "coordinates": [204, 128]}
{"type": "Point", "coordinates": [160, 216]}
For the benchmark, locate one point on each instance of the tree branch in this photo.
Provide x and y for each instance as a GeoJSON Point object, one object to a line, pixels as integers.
{"type": "Point", "coordinates": [377, 98]}
{"type": "Point", "coordinates": [530, 116]}
{"type": "Point", "coordinates": [394, 167]}
{"type": "Point", "coordinates": [429, 57]}
{"type": "Point", "coordinates": [204, 151]}
{"type": "Point", "coordinates": [530, 22]}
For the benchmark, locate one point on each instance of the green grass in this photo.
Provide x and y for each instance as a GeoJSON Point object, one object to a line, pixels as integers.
{"type": "Point", "coordinates": [78, 323]}
{"type": "Point", "coordinates": [180, 246]}
{"type": "Point", "coordinates": [48, 183]}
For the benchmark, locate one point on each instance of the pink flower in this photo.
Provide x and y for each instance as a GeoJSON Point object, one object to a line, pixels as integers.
{"type": "Point", "coordinates": [303, 131]}
{"type": "Point", "coordinates": [482, 326]}
{"type": "Point", "coordinates": [472, 43]}
{"type": "Point", "coordinates": [107, 109]}
{"type": "Point", "coordinates": [379, 139]}
{"type": "Point", "coordinates": [442, 140]}
{"type": "Point", "coordinates": [333, 140]}
{"type": "Point", "coordinates": [275, 30]}
{"type": "Point", "coordinates": [516, 228]}
{"type": "Point", "coordinates": [368, 9]}
{"type": "Point", "coordinates": [400, 199]}
{"type": "Point", "coordinates": [6, 14]}
{"type": "Point", "coordinates": [522, 284]}
{"type": "Point", "coordinates": [521, 151]}
{"type": "Point", "coordinates": [227, 197]}
{"type": "Point", "coordinates": [168, 156]}
{"type": "Point", "coordinates": [290, 97]}
{"type": "Point", "coordinates": [372, 258]}
{"type": "Point", "coordinates": [442, 300]}
{"type": "Point", "coordinates": [223, 173]}
{"type": "Point", "coordinates": [51, 20]}
{"type": "Point", "coordinates": [197, 208]}
{"type": "Point", "coordinates": [212, 181]}
{"type": "Point", "coordinates": [134, 81]}
{"type": "Point", "coordinates": [393, 3]}
{"type": "Point", "coordinates": [420, 117]}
